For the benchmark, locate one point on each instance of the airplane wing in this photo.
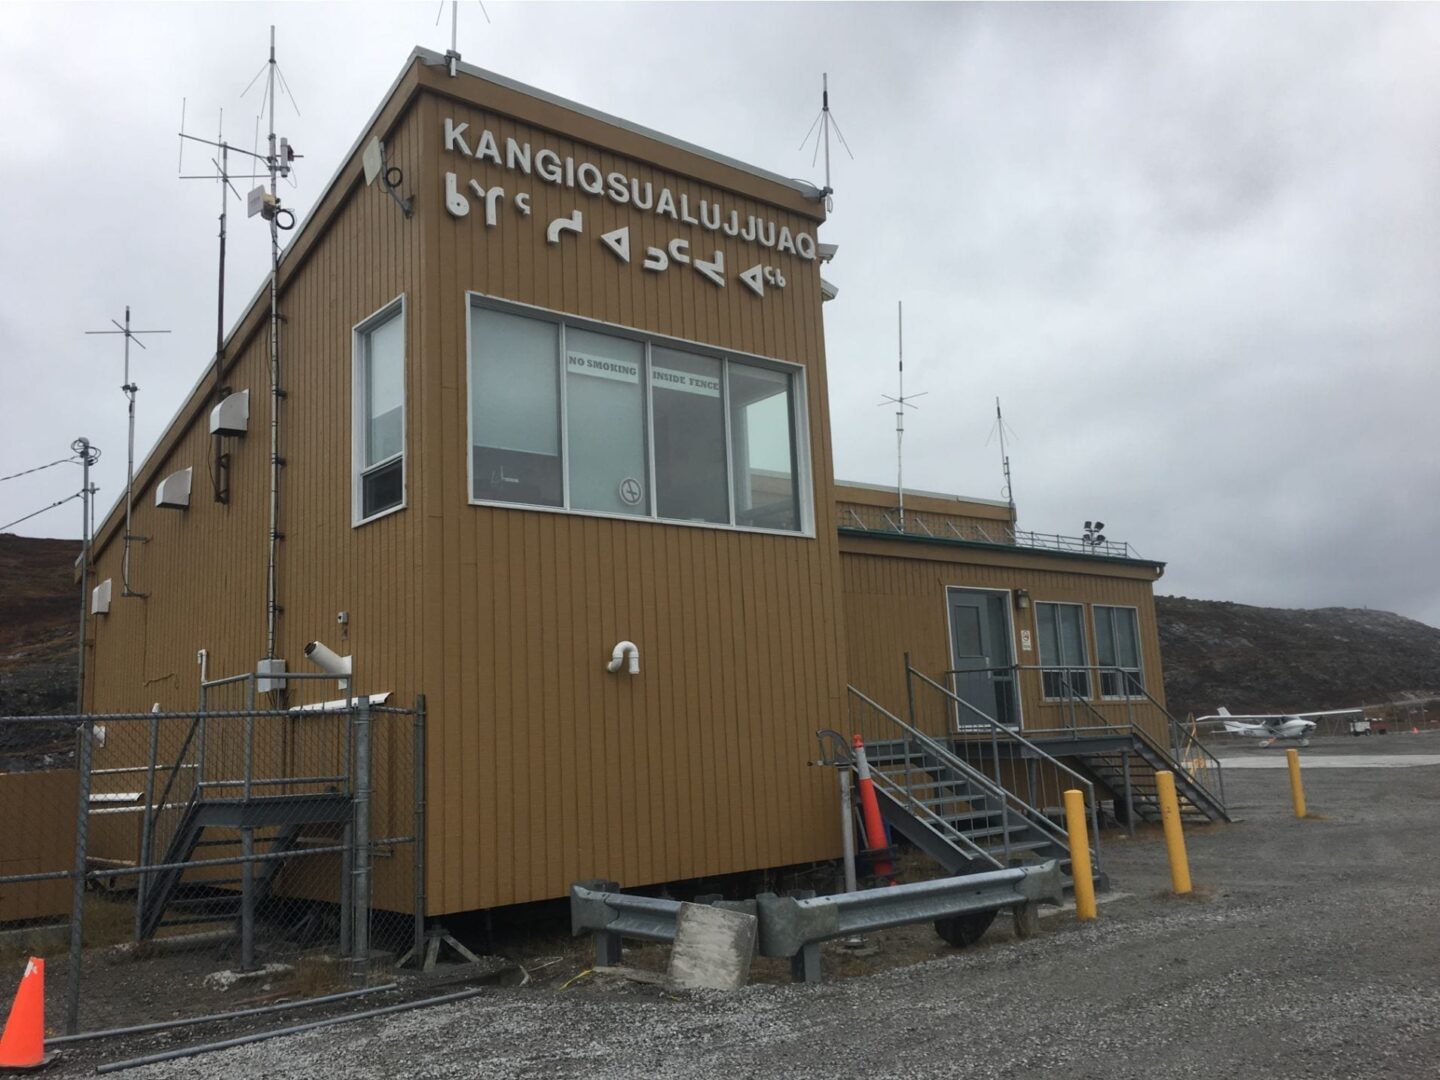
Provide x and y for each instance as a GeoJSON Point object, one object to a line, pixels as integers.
{"type": "Point", "coordinates": [1327, 712]}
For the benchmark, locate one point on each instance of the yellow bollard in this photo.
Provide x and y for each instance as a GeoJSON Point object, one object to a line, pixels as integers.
{"type": "Point", "coordinates": [1080, 868]}
{"type": "Point", "coordinates": [1174, 833]}
{"type": "Point", "coordinates": [1297, 786]}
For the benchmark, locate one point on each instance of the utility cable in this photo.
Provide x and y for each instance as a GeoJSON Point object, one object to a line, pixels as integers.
{"type": "Point", "coordinates": [42, 510]}
{"type": "Point", "coordinates": [37, 468]}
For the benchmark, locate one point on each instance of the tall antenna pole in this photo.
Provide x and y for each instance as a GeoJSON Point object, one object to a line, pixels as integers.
{"type": "Point", "coordinates": [1004, 458]}
{"type": "Point", "coordinates": [901, 403]}
{"type": "Point", "coordinates": [821, 128]}
{"type": "Point", "coordinates": [900, 410]}
{"type": "Point", "coordinates": [88, 455]}
{"type": "Point", "coordinates": [276, 394]}
{"type": "Point", "coordinates": [130, 390]}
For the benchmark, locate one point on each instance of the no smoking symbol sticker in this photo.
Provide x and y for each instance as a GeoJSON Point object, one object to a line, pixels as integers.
{"type": "Point", "coordinates": [630, 491]}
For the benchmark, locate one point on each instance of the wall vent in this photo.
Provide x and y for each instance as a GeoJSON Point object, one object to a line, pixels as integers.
{"type": "Point", "coordinates": [100, 598]}
{"type": "Point", "coordinates": [174, 490]}
{"type": "Point", "coordinates": [231, 416]}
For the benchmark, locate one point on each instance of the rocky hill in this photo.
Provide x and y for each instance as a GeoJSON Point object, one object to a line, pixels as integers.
{"type": "Point", "coordinates": [1254, 659]}
{"type": "Point", "coordinates": [39, 618]}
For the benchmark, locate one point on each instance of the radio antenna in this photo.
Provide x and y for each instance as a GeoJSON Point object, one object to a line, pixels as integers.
{"type": "Point", "coordinates": [821, 129]}
{"type": "Point", "coordinates": [130, 390]}
{"type": "Point", "coordinates": [220, 464]}
{"type": "Point", "coordinates": [453, 53]}
{"type": "Point", "coordinates": [1002, 429]}
{"type": "Point", "coordinates": [901, 403]}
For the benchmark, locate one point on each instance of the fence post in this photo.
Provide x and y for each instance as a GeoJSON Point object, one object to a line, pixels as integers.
{"type": "Point", "coordinates": [77, 900]}
{"type": "Point", "coordinates": [419, 828]}
{"type": "Point", "coordinates": [360, 889]}
{"type": "Point", "coordinates": [147, 829]}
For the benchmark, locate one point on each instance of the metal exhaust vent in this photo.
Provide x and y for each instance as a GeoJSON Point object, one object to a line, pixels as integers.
{"type": "Point", "coordinates": [174, 491]}
{"type": "Point", "coordinates": [100, 598]}
{"type": "Point", "coordinates": [231, 416]}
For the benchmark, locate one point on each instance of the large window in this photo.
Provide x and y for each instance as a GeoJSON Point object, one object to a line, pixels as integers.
{"type": "Point", "coordinates": [1061, 628]}
{"type": "Point", "coordinates": [1117, 652]}
{"type": "Point", "coordinates": [583, 418]}
{"type": "Point", "coordinates": [379, 414]}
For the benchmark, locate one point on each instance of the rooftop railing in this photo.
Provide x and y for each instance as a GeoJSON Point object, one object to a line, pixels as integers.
{"type": "Point", "coordinates": [888, 522]}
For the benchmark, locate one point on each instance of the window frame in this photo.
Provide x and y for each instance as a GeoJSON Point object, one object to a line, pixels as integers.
{"type": "Point", "coordinates": [1066, 671]}
{"type": "Point", "coordinates": [1139, 654]}
{"type": "Point", "coordinates": [799, 418]}
{"type": "Point", "coordinates": [358, 427]}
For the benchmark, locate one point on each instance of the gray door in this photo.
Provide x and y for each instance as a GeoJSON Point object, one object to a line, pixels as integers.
{"type": "Point", "coordinates": [982, 656]}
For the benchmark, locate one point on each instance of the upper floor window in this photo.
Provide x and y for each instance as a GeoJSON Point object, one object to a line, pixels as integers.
{"type": "Point", "coordinates": [1117, 652]}
{"type": "Point", "coordinates": [1061, 629]}
{"type": "Point", "coordinates": [579, 417]}
{"type": "Point", "coordinates": [379, 414]}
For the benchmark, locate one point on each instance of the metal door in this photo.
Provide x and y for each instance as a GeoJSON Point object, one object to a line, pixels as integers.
{"type": "Point", "coordinates": [982, 656]}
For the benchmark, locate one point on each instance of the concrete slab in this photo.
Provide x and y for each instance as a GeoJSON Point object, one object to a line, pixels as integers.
{"type": "Point", "coordinates": [713, 948]}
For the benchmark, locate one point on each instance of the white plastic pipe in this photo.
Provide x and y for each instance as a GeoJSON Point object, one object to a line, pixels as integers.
{"type": "Point", "coordinates": [623, 650]}
{"type": "Point", "coordinates": [327, 660]}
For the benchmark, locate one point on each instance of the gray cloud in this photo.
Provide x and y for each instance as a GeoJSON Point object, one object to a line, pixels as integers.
{"type": "Point", "coordinates": [1194, 248]}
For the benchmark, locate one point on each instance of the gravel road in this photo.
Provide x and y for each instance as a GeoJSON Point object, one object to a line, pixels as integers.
{"type": "Point", "coordinates": [1312, 950]}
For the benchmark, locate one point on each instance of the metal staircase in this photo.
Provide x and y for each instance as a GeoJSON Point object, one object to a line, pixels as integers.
{"type": "Point", "coordinates": [274, 823]}
{"type": "Point", "coordinates": [965, 820]}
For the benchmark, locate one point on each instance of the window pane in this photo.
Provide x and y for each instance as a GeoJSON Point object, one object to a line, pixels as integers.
{"type": "Point", "coordinates": [762, 442]}
{"type": "Point", "coordinates": [1049, 640]}
{"type": "Point", "coordinates": [605, 414]}
{"type": "Point", "coordinates": [1105, 637]}
{"type": "Point", "coordinates": [690, 482]}
{"type": "Point", "coordinates": [1072, 635]}
{"type": "Point", "coordinates": [515, 408]}
{"type": "Point", "coordinates": [382, 488]}
{"type": "Point", "coordinates": [1127, 638]}
{"type": "Point", "coordinates": [384, 390]}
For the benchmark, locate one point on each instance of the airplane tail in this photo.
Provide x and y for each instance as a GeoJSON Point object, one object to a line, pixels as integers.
{"type": "Point", "coordinates": [1222, 711]}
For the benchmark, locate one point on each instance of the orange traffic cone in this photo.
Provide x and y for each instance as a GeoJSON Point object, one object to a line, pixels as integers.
{"type": "Point", "coordinates": [23, 1044]}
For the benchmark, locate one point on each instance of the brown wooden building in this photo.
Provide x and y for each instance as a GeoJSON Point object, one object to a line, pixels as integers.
{"type": "Point", "coordinates": [576, 397]}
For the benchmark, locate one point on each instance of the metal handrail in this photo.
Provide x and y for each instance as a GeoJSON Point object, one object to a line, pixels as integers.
{"type": "Point", "coordinates": [914, 806]}
{"type": "Point", "coordinates": [999, 731]}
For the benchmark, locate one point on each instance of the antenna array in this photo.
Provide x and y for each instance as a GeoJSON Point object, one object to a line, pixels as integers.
{"type": "Point", "coordinates": [130, 389]}
{"type": "Point", "coordinates": [821, 129]}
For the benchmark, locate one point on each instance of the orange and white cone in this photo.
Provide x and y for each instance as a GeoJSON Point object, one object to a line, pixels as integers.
{"type": "Point", "coordinates": [23, 1044]}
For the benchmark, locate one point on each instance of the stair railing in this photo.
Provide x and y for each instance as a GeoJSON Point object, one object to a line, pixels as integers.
{"type": "Point", "coordinates": [977, 739]}
{"type": "Point", "coordinates": [879, 727]}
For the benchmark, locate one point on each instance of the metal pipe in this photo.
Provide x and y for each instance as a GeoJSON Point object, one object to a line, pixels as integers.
{"type": "Point", "coordinates": [360, 928]}
{"type": "Point", "coordinates": [237, 1014]}
{"type": "Point", "coordinates": [418, 855]}
{"type": "Point", "coordinates": [147, 830]}
{"type": "Point", "coordinates": [1129, 793]}
{"type": "Point", "coordinates": [847, 826]}
{"type": "Point", "coordinates": [247, 900]}
{"type": "Point", "coordinates": [77, 896]}
{"type": "Point", "coordinates": [294, 1029]}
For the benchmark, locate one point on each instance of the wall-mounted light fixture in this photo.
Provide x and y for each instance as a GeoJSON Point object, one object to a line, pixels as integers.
{"type": "Point", "coordinates": [1022, 599]}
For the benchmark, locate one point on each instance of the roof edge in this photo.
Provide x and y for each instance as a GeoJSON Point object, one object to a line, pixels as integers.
{"type": "Point", "coordinates": [1011, 549]}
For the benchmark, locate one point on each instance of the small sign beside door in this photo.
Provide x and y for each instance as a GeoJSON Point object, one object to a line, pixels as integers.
{"type": "Point", "coordinates": [1024, 640]}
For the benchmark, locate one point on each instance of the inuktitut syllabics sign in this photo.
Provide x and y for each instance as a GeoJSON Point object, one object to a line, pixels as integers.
{"type": "Point", "coordinates": [545, 166]}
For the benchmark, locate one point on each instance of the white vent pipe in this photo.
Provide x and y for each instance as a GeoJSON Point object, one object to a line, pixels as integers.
{"type": "Point", "coordinates": [623, 650]}
{"type": "Point", "coordinates": [325, 658]}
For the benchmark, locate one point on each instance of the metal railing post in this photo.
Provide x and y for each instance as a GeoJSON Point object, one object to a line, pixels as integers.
{"type": "Point", "coordinates": [419, 827]}
{"type": "Point", "coordinates": [1129, 794]}
{"type": "Point", "coordinates": [247, 844]}
{"type": "Point", "coordinates": [909, 751]}
{"type": "Point", "coordinates": [84, 752]}
{"type": "Point", "coordinates": [360, 918]}
{"type": "Point", "coordinates": [147, 828]}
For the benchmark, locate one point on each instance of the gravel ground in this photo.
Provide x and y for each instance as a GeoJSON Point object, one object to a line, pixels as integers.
{"type": "Point", "coordinates": [1310, 950]}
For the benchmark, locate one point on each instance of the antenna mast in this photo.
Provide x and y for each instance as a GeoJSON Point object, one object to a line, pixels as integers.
{"type": "Point", "coordinates": [824, 123]}
{"type": "Point", "coordinates": [88, 454]}
{"type": "Point", "coordinates": [901, 403]}
{"type": "Point", "coordinates": [1005, 460]}
{"type": "Point", "coordinates": [130, 390]}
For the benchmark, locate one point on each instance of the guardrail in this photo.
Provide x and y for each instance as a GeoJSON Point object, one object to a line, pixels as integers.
{"type": "Point", "coordinates": [792, 928]}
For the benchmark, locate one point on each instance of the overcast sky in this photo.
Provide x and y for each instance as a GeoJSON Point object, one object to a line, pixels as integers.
{"type": "Point", "coordinates": [1194, 249]}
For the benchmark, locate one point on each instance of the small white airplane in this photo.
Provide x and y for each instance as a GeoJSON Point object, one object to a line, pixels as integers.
{"type": "Point", "coordinates": [1272, 726]}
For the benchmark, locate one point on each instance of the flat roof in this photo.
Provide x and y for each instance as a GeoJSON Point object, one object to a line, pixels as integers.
{"type": "Point", "coordinates": [890, 489]}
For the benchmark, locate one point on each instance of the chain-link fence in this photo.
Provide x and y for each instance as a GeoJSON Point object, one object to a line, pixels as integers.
{"type": "Point", "coordinates": [273, 848]}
